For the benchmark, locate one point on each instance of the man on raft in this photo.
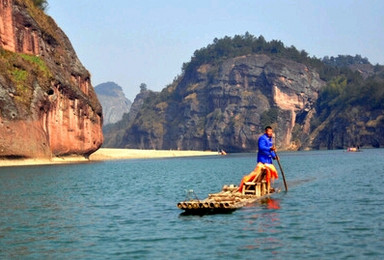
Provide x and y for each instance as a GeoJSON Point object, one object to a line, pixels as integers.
{"type": "Point", "coordinates": [265, 155]}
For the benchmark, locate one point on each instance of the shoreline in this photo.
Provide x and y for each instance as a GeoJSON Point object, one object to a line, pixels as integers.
{"type": "Point", "coordinates": [105, 154]}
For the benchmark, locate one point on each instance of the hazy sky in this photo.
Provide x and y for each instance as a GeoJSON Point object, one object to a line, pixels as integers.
{"type": "Point", "coordinates": [146, 41]}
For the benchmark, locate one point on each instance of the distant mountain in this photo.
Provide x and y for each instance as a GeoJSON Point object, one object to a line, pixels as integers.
{"type": "Point", "coordinates": [226, 106]}
{"type": "Point", "coordinates": [113, 101]}
{"type": "Point", "coordinates": [113, 133]}
{"type": "Point", "coordinates": [234, 87]}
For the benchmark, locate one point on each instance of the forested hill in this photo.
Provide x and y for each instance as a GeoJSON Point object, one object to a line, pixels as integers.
{"type": "Point", "coordinates": [235, 86]}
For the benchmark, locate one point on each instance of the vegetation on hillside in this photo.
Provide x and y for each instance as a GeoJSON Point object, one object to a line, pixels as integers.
{"type": "Point", "coordinates": [239, 45]}
{"type": "Point", "coordinates": [229, 47]}
{"type": "Point", "coordinates": [345, 88]}
{"type": "Point", "coordinates": [42, 4]}
{"type": "Point", "coordinates": [344, 60]}
{"type": "Point", "coordinates": [346, 91]}
{"type": "Point", "coordinates": [22, 70]}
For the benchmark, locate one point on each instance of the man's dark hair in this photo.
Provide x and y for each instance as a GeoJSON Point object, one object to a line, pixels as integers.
{"type": "Point", "coordinates": [267, 127]}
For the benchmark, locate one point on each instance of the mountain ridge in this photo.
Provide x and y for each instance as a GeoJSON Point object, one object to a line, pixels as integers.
{"type": "Point", "coordinates": [113, 101]}
{"type": "Point", "coordinates": [232, 88]}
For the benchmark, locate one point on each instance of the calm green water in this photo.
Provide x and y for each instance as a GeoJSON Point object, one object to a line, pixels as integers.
{"type": "Point", "coordinates": [127, 210]}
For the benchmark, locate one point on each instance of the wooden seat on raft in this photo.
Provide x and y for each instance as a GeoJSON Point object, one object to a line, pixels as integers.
{"type": "Point", "coordinates": [256, 187]}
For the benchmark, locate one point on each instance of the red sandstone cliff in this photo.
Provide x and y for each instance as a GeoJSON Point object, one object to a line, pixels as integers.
{"type": "Point", "coordinates": [48, 106]}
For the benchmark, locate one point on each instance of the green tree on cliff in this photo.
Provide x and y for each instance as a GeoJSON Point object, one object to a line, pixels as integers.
{"type": "Point", "coordinates": [42, 4]}
{"type": "Point", "coordinates": [229, 47]}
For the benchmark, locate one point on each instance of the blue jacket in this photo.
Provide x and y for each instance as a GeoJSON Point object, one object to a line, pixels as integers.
{"type": "Point", "coordinates": [265, 155]}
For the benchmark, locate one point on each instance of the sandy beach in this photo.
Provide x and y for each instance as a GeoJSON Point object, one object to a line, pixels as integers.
{"type": "Point", "coordinates": [104, 154]}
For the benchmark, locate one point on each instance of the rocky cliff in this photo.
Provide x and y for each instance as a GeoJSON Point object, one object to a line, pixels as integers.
{"type": "Point", "coordinates": [114, 133]}
{"type": "Point", "coordinates": [113, 101]}
{"type": "Point", "coordinates": [352, 117]}
{"type": "Point", "coordinates": [227, 105]}
{"type": "Point", "coordinates": [231, 89]}
{"type": "Point", "coordinates": [48, 105]}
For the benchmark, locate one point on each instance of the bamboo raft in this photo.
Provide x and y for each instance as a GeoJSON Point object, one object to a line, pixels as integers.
{"type": "Point", "coordinates": [227, 200]}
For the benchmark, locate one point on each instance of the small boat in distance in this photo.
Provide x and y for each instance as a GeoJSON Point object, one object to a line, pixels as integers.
{"type": "Point", "coordinates": [353, 149]}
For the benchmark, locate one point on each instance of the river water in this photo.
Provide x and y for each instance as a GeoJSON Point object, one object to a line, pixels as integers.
{"type": "Point", "coordinates": [126, 209]}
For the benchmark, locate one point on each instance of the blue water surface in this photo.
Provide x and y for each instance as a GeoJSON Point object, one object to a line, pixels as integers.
{"type": "Point", "coordinates": [127, 209]}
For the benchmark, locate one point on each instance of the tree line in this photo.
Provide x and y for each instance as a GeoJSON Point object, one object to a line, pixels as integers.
{"type": "Point", "coordinates": [239, 45]}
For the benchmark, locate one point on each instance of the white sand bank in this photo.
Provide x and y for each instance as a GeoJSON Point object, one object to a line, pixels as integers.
{"type": "Point", "coordinates": [106, 154]}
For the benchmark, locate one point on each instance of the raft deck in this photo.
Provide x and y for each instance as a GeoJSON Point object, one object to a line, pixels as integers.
{"type": "Point", "coordinates": [227, 200]}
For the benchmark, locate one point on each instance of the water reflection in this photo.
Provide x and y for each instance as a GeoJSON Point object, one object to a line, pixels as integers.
{"type": "Point", "coordinates": [264, 217]}
{"type": "Point", "coordinates": [272, 203]}
{"type": "Point", "coordinates": [263, 226]}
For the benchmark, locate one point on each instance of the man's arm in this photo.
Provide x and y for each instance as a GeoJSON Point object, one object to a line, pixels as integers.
{"type": "Point", "coordinates": [273, 154]}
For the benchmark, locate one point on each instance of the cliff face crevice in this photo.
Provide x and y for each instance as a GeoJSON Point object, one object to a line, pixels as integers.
{"type": "Point", "coordinates": [18, 31]}
{"type": "Point", "coordinates": [48, 105]}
